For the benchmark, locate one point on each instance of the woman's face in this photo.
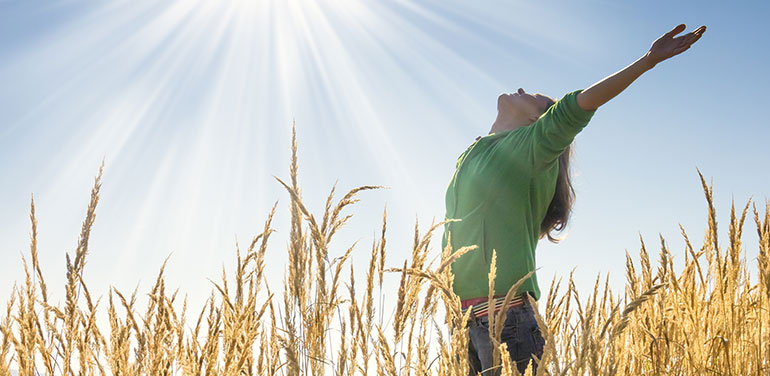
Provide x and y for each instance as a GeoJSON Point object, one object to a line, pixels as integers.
{"type": "Point", "coordinates": [522, 108]}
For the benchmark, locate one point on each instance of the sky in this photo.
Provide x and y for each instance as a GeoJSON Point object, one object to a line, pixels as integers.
{"type": "Point", "coordinates": [190, 103]}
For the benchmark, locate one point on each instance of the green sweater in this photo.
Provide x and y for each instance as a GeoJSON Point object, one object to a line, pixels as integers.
{"type": "Point", "coordinates": [500, 192]}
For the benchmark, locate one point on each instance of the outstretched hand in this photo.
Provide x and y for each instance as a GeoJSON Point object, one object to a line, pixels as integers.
{"type": "Point", "coordinates": [668, 45]}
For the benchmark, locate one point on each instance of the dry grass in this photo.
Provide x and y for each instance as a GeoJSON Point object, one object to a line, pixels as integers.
{"type": "Point", "coordinates": [710, 319]}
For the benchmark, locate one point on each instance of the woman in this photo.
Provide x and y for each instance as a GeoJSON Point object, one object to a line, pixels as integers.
{"type": "Point", "coordinates": [512, 188]}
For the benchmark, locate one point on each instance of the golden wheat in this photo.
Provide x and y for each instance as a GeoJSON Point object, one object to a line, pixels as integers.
{"type": "Point", "coordinates": [711, 318]}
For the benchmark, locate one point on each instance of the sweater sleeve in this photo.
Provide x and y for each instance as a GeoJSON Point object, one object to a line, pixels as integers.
{"type": "Point", "coordinates": [556, 129]}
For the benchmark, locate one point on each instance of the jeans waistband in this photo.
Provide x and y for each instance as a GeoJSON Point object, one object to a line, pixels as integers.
{"type": "Point", "coordinates": [480, 306]}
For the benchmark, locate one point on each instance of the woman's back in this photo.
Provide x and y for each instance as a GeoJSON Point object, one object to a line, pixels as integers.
{"type": "Point", "coordinates": [500, 192]}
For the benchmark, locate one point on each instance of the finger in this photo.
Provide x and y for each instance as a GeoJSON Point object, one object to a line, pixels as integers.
{"type": "Point", "coordinates": [694, 38]}
{"type": "Point", "coordinates": [695, 33]}
{"type": "Point", "coordinates": [699, 31]}
{"type": "Point", "coordinates": [676, 30]}
{"type": "Point", "coordinates": [685, 41]}
{"type": "Point", "coordinates": [691, 38]}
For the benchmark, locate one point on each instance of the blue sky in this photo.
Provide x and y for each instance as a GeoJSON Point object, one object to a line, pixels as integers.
{"type": "Point", "coordinates": [191, 102]}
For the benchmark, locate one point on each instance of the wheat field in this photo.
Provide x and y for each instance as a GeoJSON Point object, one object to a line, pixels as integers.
{"type": "Point", "coordinates": [709, 319]}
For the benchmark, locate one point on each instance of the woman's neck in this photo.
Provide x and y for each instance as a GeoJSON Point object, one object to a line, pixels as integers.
{"type": "Point", "coordinates": [503, 124]}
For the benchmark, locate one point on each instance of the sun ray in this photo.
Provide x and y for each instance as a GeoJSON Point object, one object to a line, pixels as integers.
{"type": "Point", "coordinates": [191, 102]}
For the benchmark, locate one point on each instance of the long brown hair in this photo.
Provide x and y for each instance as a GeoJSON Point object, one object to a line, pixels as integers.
{"type": "Point", "coordinates": [561, 205]}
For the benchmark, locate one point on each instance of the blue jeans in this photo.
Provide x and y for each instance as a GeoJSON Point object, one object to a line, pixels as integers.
{"type": "Point", "coordinates": [520, 333]}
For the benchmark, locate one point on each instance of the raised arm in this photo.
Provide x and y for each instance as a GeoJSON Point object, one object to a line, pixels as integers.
{"type": "Point", "coordinates": [665, 47]}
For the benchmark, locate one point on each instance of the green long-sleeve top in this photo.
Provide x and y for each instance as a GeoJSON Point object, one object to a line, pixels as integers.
{"type": "Point", "coordinates": [500, 192]}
